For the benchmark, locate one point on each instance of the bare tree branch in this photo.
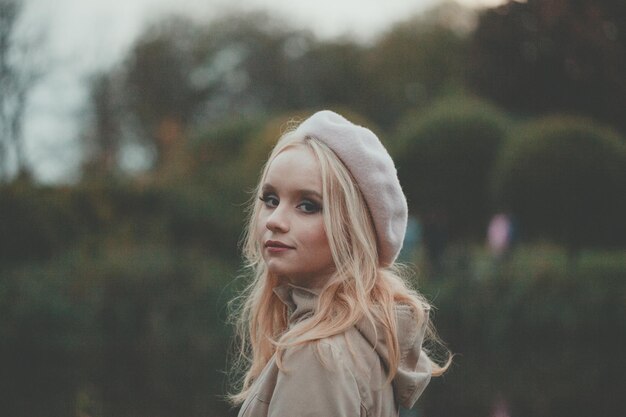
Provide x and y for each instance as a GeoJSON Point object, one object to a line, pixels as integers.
{"type": "Point", "coordinates": [19, 73]}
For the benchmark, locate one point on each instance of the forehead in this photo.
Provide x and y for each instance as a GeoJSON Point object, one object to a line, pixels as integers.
{"type": "Point", "coordinates": [295, 168]}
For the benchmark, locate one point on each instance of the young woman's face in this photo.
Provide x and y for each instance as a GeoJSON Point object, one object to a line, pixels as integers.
{"type": "Point", "coordinates": [290, 226]}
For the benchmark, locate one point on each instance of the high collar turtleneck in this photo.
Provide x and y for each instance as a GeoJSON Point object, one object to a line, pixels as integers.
{"type": "Point", "coordinates": [300, 301]}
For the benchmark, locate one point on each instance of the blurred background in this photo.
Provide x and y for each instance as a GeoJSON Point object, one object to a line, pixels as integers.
{"type": "Point", "coordinates": [132, 133]}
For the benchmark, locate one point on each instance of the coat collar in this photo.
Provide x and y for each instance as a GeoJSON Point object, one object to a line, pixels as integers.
{"type": "Point", "coordinates": [415, 368]}
{"type": "Point", "coordinates": [301, 302]}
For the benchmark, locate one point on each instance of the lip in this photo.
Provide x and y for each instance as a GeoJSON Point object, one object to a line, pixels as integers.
{"type": "Point", "coordinates": [276, 246]}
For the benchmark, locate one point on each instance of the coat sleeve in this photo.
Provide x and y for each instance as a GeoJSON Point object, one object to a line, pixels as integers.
{"type": "Point", "coordinates": [310, 388]}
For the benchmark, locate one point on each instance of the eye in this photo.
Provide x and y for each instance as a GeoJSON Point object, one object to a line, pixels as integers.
{"type": "Point", "coordinates": [270, 200]}
{"type": "Point", "coordinates": [309, 207]}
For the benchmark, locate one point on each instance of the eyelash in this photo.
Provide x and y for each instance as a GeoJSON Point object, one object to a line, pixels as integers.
{"type": "Point", "coordinates": [314, 207]}
{"type": "Point", "coordinates": [267, 199]}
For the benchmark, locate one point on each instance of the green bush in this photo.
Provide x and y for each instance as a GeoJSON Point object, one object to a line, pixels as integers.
{"type": "Point", "coordinates": [564, 177]}
{"type": "Point", "coordinates": [445, 156]}
{"type": "Point", "coordinates": [216, 151]}
{"type": "Point", "coordinates": [117, 330]}
{"type": "Point", "coordinates": [127, 316]}
{"type": "Point", "coordinates": [39, 223]}
{"type": "Point", "coordinates": [547, 340]}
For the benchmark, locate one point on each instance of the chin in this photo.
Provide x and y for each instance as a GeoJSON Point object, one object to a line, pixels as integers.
{"type": "Point", "coordinates": [293, 276]}
{"type": "Point", "coordinates": [275, 268]}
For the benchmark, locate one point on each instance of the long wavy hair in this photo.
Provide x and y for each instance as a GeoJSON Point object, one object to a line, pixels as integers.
{"type": "Point", "coordinates": [359, 286]}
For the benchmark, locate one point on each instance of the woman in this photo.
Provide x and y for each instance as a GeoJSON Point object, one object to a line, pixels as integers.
{"type": "Point", "coordinates": [329, 327]}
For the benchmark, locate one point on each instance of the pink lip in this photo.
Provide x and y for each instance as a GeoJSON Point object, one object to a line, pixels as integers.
{"type": "Point", "coordinates": [276, 246]}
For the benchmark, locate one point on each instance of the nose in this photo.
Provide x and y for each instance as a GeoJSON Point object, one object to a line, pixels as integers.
{"type": "Point", "coordinates": [278, 221]}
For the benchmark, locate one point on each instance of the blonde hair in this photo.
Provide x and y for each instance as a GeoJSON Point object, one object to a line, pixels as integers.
{"type": "Point", "coordinates": [359, 286]}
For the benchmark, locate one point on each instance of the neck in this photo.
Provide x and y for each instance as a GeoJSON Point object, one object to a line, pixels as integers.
{"type": "Point", "coordinates": [314, 282]}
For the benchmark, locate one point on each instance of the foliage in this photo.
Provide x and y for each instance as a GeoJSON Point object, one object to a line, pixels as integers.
{"type": "Point", "coordinates": [39, 223]}
{"type": "Point", "coordinates": [120, 329]}
{"type": "Point", "coordinates": [21, 67]}
{"type": "Point", "coordinates": [180, 77]}
{"type": "Point", "coordinates": [219, 151]}
{"type": "Point", "coordinates": [160, 90]}
{"type": "Point", "coordinates": [414, 62]}
{"type": "Point", "coordinates": [131, 327]}
{"type": "Point", "coordinates": [445, 155]}
{"type": "Point", "coordinates": [126, 315]}
{"type": "Point", "coordinates": [564, 177]}
{"type": "Point", "coordinates": [545, 56]}
{"type": "Point", "coordinates": [544, 339]}
{"type": "Point", "coordinates": [101, 137]}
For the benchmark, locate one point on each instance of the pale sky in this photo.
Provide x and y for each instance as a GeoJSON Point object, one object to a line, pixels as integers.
{"type": "Point", "coordinates": [85, 35]}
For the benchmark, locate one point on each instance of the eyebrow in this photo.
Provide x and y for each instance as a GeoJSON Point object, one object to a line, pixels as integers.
{"type": "Point", "coordinates": [304, 192]}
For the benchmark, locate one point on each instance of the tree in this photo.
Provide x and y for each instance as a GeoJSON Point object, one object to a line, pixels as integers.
{"type": "Point", "coordinates": [544, 56]}
{"type": "Point", "coordinates": [103, 134]}
{"type": "Point", "coordinates": [180, 77]}
{"type": "Point", "coordinates": [19, 72]}
{"type": "Point", "coordinates": [415, 61]}
{"type": "Point", "coordinates": [158, 85]}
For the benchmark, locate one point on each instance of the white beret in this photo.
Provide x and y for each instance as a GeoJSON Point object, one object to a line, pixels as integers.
{"type": "Point", "coordinates": [374, 171]}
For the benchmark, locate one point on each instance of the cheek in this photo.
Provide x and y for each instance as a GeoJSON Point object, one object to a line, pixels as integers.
{"type": "Point", "coordinates": [317, 237]}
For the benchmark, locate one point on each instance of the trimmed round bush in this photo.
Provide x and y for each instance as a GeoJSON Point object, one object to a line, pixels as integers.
{"type": "Point", "coordinates": [444, 157]}
{"type": "Point", "coordinates": [565, 179]}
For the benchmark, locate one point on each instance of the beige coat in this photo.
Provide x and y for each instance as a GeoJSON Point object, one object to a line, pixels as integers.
{"type": "Point", "coordinates": [346, 384]}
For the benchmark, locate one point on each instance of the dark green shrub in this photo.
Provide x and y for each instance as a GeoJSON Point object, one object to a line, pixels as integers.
{"type": "Point", "coordinates": [445, 156]}
{"type": "Point", "coordinates": [116, 330]}
{"type": "Point", "coordinates": [214, 152]}
{"type": "Point", "coordinates": [546, 340]}
{"type": "Point", "coordinates": [38, 223]}
{"type": "Point", "coordinates": [564, 177]}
